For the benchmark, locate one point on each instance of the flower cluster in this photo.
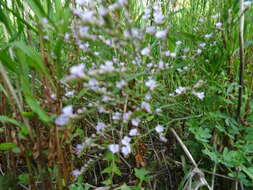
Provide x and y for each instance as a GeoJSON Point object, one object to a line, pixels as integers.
{"type": "Point", "coordinates": [114, 65]}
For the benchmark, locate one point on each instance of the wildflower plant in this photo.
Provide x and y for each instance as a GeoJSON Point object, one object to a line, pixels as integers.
{"type": "Point", "coordinates": [114, 94]}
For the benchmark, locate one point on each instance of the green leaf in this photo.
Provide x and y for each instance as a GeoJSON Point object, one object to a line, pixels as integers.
{"type": "Point", "coordinates": [141, 174]}
{"type": "Point", "coordinates": [24, 178]}
{"type": "Point", "coordinates": [123, 187]}
{"type": "Point", "coordinates": [6, 119]}
{"type": "Point", "coordinates": [16, 150]}
{"type": "Point", "coordinates": [36, 7]}
{"type": "Point", "coordinates": [248, 171]}
{"type": "Point", "coordinates": [7, 145]}
{"type": "Point", "coordinates": [232, 158]}
{"type": "Point", "coordinates": [37, 109]}
{"type": "Point", "coordinates": [108, 181]}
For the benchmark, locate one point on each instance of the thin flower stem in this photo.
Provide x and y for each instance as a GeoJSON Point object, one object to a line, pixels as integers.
{"type": "Point", "coordinates": [242, 62]}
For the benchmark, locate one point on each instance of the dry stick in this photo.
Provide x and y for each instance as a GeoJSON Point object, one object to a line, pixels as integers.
{"type": "Point", "coordinates": [242, 63]}
{"type": "Point", "coordinates": [242, 60]}
{"type": "Point", "coordinates": [187, 152]}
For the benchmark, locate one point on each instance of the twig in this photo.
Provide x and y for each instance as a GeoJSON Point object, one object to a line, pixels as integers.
{"type": "Point", "coordinates": [242, 61]}
{"type": "Point", "coordinates": [213, 175]}
{"type": "Point", "coordinates": [187, 152]}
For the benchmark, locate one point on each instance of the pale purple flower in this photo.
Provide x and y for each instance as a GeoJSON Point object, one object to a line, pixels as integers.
{"type": "Point", "coordinates": [100, 126]}
{"type": "Point", "coordinates": [62, 120]}
{"type": "Point", "coordinates": [159, 128]}
{"type": "Point", "coordinates": [77, 70]}
{"type": "Point", "coordinates": [126, 116]}
{"type": "Point", "coordinates": [133, 132]}
{"type": "Point", "coordinates": [158, 17]}
{"type": "Point", "coordinates": [114, 148]}
{"type": "Point", "coordinates": [161, 34]}
{"type": "Point", "coordinates": [208, 36]}
{"type": "Point", "coordinates": [218, 25]}
{"type": "Point", "coordinates": [76, 173]}
{"type": "Point", "coordinates": [70, 93]}
{"type": "Point", "coordinates": [151, 30]}
{"type": "Point", "coordinates": [120, 84]}
{"type": "Point", "coordinates": [178, 43]}
{"type": "Point", "coordinates": [146, 106]}
{"type": "Point", "coordinates": [116, 116]}
{"type": "Point", "coordinates": [180, 90]}
{"type": "Point", "coordinates": [173, 54]}
{"type": "Point", "coordinates": [107, 67]}
{"type": "Point", "coordinates": [151, 84]}
{"type": "Point", "coordinates": [126, 150]}
{"type": "Point", "coordinates": [126, 140]}
{"type": "Point", "coordinates": [135, 121]}
{"type": "Point", "coordinates": [145, 51]}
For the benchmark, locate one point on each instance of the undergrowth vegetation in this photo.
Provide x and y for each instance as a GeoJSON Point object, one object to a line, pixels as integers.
{"type": "Point", "coordinates": [126, 94]}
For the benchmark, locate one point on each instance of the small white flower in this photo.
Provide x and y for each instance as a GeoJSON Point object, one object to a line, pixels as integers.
{"type": "Point", "coordinates": [151, 30]}
{"type": "Point", "coordinates": [215, 16]}
{"type": "Point", "coordinates": [218, 25]}
{"type": "Point", "coordinates": [100, 126]}
{"type": "Point", "coordinates": [114, 148]}
{"type": "Point", "coordinates": [208, 36]}
{"type": "Point", "coordinates": [76, 173]}
{"type": "Point", "coordinates": [161, 34]}
{"type": "Point", "coordinates": [70, 93]}
{"type": "Point", "coordinates": [173, 54]}
{"type": "Point", "coordinates": [107, 67]}
{"type": "Point", "coordinates": [148, 96]}
{"type": "Point", "coordinates": [183, 56]}
{"type": "Point", "coordinates": [133, 132]}
{"type": "Point", "coordinates": [77, 70]}
{"type": "Point", "coordinates": [126, 116]}
{"type": "Point", "coordinates": [146, 106]}
{"type": "Point", "coordinates": [178, 43]}
{"type": "Point", "coordinates": [106, 98]}
{"type": "Point", "coordinates": [159, 128]}
{"type": "Point", "coordinates": [79, 147]}
{"type": "Point", "coordinates": [44, 21]}
{"type": "Point", "coordinates": [84, 31]}
{"type": "Point", "coordinates": [201, 20]}
{"type": "Point", "coordinates": [247, 4]}
{"type": "Point", "coordinates": [158, 17]}
{"type": "Point", "coordinates": [126, 140]}
{"type": "Point", "coordinates": [200, 95]}
{"type": "Point", "coordinates": [151, 84]}
{"type": "Point", "coordinates": [120, 84]}
{"type": "Point", "coordinates": [53, 96]}
{"type": "Point", "coordinates": [116, 116]}
{"type": "Point", "coordinates": [102, 11]}
{"type": "Point", "coordinates": [158, 110]}
{"type": "Point", "coordinates": [198, 51]}
{"type": "Point", "coordinates": [68, 110]}
{"type": "Point", "coordinates": [122, 3]}
{"type": "Point", "coordinates": [145, 51]}
{"type": "Point", "coordinates": [163, 139]}
{"type": "Point", "coordinates": [135, 121]}
{"type": "Point", "coordinates": [186, 50]}
{"type": "Point", "coordinates": [161, 65]}
{"type": "Point", "coordinates": [126, 150]}
{"type": "Point", "coordinates": [101, 109]}
{"type": "Point", "coordinates": [202, 45]}
{"type": "Point", "coordinates": [147, 13]}
{"type": "Point", "coordinates": [87, 16]}
{"type": "Point", "coordinates": [62, 120]}
{"type": "Point", "coordinates": [180, 90]}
